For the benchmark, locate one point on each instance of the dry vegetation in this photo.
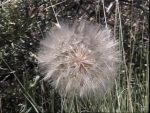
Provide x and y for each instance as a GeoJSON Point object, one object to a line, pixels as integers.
{"type": "Point", "coordinates": [23, 23]}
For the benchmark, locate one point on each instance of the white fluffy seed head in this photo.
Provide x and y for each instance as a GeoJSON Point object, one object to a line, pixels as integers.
{"type": "Point", "coordinates": [80, 59]}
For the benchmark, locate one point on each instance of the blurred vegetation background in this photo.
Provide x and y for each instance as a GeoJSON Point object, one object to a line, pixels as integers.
{"type": "Point", "coordinates": [23, 23]}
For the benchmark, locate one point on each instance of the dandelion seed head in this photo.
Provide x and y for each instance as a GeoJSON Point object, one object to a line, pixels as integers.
{"type": "Point", "coordinates": [81, 59]}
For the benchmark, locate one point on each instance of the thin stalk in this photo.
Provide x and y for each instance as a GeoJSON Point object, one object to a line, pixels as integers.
{"type": "Point", "coordinates": [26, 94]}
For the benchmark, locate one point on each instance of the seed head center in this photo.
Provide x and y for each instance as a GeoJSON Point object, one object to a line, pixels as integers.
{"type": "Point", "coordinates": [80, 60]}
